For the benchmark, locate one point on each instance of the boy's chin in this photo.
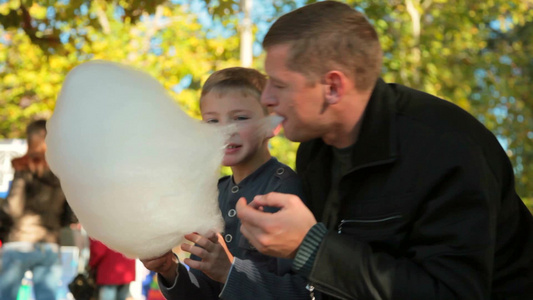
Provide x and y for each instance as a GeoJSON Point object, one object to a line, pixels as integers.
{"type": "Point", "coordinates": [230, 162]}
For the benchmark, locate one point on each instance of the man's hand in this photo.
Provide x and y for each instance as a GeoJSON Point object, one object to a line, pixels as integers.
{"type": "Point", "coordinates": [166, 265]}
{"type": "Point", "coordinates": [277, 234]}
{"type": "Point", "coordinates": [216, 258]}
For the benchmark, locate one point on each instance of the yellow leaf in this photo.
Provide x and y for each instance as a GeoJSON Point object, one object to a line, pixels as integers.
{"type": "Point", "coordinates": [38, 12]}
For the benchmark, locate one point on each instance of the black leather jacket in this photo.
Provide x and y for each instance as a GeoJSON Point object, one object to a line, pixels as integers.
{"type": "Point", "coordinates": [428, 210]}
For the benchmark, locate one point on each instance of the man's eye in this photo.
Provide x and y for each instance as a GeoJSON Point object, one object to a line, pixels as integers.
{"type": "Point", "coordinates": [278, 85]}
{"type": "Point", "coordinates": [211, 121]}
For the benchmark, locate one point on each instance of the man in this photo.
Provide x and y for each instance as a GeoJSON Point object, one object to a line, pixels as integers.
{"type": "Point", "coordinates": [414, 198]}
{"type": "Point", "coordinates": [37, 207]}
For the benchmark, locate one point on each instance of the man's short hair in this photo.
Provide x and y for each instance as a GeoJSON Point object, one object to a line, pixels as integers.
{"type": "Point", "coordinates": [328, 36]}
{"type": "Point", "coordinates": [248, 81]}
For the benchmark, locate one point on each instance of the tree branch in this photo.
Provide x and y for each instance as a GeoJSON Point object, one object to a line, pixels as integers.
{"type": "Point", "coordinates": [32, 32]}
{"type": "Point", "coordinates": [415, 21]}
{"type": "Point", "coordinates": [102, 17]}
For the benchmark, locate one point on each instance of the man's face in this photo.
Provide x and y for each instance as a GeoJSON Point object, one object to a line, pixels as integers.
{"type": "Point", "coordinates": [36, 151]}
{"type": "Point", "coordinates": [290, 95]}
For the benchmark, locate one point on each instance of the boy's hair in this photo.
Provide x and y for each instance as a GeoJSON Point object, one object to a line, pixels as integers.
{"type": "Point", "coordinates": [248, 81]}
{"type": "Point", "coordinates": [329, 35]}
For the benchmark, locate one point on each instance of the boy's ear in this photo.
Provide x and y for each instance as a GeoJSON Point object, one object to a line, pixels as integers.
{"type": "Point", "coordinates": [335, 82]}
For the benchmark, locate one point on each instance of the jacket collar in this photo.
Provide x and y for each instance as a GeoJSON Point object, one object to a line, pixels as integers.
{"type": "Point", "coordinates": [376, 143]}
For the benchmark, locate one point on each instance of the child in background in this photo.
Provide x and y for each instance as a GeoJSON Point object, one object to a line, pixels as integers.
{"type": "Point", "coordinates": [226, 266]}
{"type": "Point", "coordinates": [114, 272]}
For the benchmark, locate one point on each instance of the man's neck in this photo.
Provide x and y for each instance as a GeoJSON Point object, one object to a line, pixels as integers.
{"type": "Point", "coordinates": [346, 125]}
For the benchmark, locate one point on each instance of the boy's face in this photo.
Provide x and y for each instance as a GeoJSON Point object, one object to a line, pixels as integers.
{"type": "Point", "coordinates": [245, 113]}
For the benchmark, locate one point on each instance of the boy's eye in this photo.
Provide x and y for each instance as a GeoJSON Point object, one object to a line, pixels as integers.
{"type": "Point", "coordinates": [241, 118]}
{"type": "Point", "coordinates": [211, 121]}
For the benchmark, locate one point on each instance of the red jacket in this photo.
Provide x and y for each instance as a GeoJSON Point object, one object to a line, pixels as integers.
{"type": "Point", "coordinates": [112, 268]}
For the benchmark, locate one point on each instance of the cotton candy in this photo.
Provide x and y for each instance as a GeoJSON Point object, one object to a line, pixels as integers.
{"type": "Point", "coordinates": [137, 171]}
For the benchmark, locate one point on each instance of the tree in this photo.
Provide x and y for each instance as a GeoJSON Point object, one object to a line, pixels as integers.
{"type": "Point", "coordinates": [41, 41]}
{"type": "Point", "coordinates": [474, 53]}
{"type": "Point", "coordinates": [169, 43]}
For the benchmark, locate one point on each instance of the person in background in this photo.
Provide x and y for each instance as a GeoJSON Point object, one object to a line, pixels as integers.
{"type": "Point", "coordinates": [410, 197]}
{"type": "Point", "coordinates": [114, 271]}
{"type": "Point", "coordinates": [37, 209]}
{"type": "Point", "coordinates": [5, 225]}
{"type": "Point", "coordinates": [227, 266]}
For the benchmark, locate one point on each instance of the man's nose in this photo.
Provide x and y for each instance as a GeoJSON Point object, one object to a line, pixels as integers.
{"type": "Point", "coordinates": [267, 98]}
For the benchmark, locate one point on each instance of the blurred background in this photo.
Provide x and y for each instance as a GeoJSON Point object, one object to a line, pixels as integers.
{"type": "Point", "coordinates": [477, 54]}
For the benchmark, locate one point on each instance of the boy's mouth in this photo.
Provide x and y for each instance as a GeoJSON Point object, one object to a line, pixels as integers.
{"type": "Point", "coordinates": [231, 148]}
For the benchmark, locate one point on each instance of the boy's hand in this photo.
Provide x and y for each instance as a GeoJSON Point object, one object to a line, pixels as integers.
{"type": "Point", "coordinates": [211, 248]}
{"type": "Point", "coordinates": [166, 265]}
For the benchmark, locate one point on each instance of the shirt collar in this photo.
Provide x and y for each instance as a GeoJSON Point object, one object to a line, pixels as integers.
{"type": "Point", "coordinates": [263, 169]}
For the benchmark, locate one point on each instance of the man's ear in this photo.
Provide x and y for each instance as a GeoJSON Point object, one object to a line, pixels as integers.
{"type": "Point", "coordinates": [335, 82]}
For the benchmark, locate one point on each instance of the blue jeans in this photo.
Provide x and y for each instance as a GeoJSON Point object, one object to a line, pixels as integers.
{"type": "Point", "coordinates": [41, 258]}
{"type": "Point", "coordinates": [113, 292]}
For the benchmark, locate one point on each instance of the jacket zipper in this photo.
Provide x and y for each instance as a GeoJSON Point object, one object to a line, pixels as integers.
{"type": "Point", "coordinates": [311, 290]}
{"type": "Point", "coordinates": [339, 228]}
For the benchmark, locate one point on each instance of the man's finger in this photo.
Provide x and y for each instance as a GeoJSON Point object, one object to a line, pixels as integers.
{"type": "Point", "coordinates": [272, 199]}
{"type": "Point", "coordinates": [255, 204]}
{"type": "Point", "coordinates": [249, 215]}
{"type": "Point", "coordinates": [248, 235]}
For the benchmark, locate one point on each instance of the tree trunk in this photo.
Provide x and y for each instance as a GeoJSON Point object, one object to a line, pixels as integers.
{"type": "Point", "coordinates": [246, 34]}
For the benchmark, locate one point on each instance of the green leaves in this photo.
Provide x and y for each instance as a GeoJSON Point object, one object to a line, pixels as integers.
{"type": "Point", "coordinates": [477, 54]}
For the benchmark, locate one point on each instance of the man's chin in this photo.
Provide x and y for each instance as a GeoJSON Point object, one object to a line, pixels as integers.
{"type": "Point", "coordinates": [296, 136]}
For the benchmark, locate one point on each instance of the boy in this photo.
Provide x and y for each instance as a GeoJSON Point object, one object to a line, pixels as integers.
{"type": "Point", "coordinates": [228, 266]}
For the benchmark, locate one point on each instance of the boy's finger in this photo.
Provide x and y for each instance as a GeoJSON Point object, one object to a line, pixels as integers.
{"type": "Point", "coordinates": [213, 237]}
{"type": "Point", "coordinates": [198, 265]}
{"type": "Point", "coordinates": [200, 252]}
{"type": "Point", "coordinates": [200, 241]}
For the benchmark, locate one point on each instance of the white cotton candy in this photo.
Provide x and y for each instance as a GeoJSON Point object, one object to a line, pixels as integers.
{"type": "Point", "coordinates": [137, 171]}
